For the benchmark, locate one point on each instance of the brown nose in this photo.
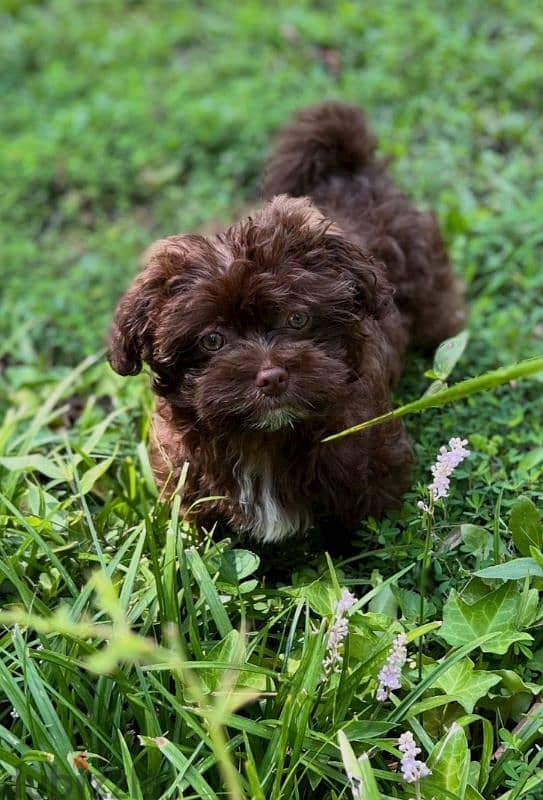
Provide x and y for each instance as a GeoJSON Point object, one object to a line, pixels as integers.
{"type": "Point", "coordinates": [272, 381]}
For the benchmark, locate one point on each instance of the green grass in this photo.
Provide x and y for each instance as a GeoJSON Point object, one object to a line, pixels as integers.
{"type": "Point", "coordinates": [183, 672]}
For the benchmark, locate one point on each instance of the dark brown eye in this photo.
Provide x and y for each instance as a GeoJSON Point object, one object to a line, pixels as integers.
{"type": "Point", "coordinates": [297, 320]}
{"type": "Point", "coordinates": [212, 341]}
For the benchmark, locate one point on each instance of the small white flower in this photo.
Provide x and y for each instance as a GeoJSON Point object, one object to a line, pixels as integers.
{"type": "Point", "coordinates": [345, 602]}
{"type": "Point", "coordinates": [412, 769]}
{"type": "Point", "coordinates": [390, 676]}
{"type": "Point", "coordinates": [338, 633]}
{"type": "Point", "coordinates": [446, 463]}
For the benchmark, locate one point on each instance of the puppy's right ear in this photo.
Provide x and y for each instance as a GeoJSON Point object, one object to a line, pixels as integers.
{"type": "Point", "coordinates": [134, 321]}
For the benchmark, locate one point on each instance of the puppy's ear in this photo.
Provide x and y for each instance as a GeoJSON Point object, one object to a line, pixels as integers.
{"type": "Point", "coordinates": [136, 317]}
{"type": "Point", "coordinates": [373, 292]}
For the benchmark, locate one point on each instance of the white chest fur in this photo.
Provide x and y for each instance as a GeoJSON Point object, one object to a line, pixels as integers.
{"type": "Point", "coordinates": [264, 514]}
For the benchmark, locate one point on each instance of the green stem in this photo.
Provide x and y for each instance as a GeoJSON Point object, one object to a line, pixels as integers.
{"type": "Point", "coordinates": [482, 383]}
{"type": "Point", "coordinates": [423, 578]}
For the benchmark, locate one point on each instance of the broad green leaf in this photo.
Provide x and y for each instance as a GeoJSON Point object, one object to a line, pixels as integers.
{"type": "Point", "coordinates": [531, 459]}
{"type": "Point", "coordinates": [466, 684]}
{"type": "Point", "coordinates": [234, 565]}
{"type": "Point", "coordinates": [515, 570]}
{"type": "Point", "coordinates": [35, 462]}
{"type": "Point", "coordinates": [493, 612]}
{"type": "Point", "coordinates": [449, 762]}
{"type": "Point", "coordinates": [472, 793]}
{"type": "Point", "coordinates": [447, 354]}
{"type": "Point", "coordinates": [529, 606]}
{"type": "Point", "coordinates": [231, 650]}
{"type": "Point", "coordinates": [477, 540]}
{"type": "Point", "coordinates": [385, 601]}
{"type": "Point", "coordinates": [409, 602]}
{"type": "Point", "coordinates": [513, 684]}
{"type": "Point", "coordinates": [320, 595]}
{"type": "Point", "coordinates": [526, 526]}
{"type": "Point", "coordinates": [95, 473]}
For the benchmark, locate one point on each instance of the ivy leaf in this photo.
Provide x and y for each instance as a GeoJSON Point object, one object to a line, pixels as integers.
{"type": "Point", "coordinates": [491, 612]}
{"type": "Point", "coordinates": [526, 526]}
{"type": "Point", "coordinates": [409, 603]}
{"type": "Point", "coordinates": [449, 762]}
{"type": "Point", "coordinates": [466, 684]}
{"type": "Point", "coordinates": [320, 595]}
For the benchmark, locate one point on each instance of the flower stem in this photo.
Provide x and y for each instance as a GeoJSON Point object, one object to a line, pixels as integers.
{"type": "Point", "coordinates": [423, 577]}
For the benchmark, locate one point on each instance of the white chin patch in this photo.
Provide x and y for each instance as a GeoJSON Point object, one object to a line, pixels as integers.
{"type": "Point", "coordinates": [276, 419]}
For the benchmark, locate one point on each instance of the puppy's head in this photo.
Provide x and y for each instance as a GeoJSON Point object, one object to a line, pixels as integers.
{"type": "Point", "coordinates": [260, 328]}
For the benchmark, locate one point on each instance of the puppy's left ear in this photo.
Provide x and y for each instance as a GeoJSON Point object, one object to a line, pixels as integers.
{"type": "Point", "coordinates": [373, 292]}
{"type": "Point", "coordinates": [131, 339]}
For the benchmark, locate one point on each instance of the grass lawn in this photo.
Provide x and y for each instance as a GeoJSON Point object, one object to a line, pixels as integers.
{"type": "Point", "coordinates": [149, 669]}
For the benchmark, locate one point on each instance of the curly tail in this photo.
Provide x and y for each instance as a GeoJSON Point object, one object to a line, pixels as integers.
{"type": "Point", "coordinates": [327, 139]}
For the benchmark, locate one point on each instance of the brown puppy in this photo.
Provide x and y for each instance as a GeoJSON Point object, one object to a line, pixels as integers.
{"type": "Point", "coordinates": [291, 325]}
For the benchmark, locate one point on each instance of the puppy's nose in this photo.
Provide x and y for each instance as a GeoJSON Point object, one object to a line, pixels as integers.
{"type": "Point", "coordinates": [272, 381]}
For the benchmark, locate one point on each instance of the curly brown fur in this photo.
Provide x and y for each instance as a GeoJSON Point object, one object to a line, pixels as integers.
{"type": "Point", "coordinates": [290, 325]}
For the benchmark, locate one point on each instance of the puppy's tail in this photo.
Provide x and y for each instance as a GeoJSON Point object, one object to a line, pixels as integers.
{"type": "Point", "coordinates": [328, 139]}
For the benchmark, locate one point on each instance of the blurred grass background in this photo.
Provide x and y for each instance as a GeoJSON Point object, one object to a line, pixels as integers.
{"type": "Point", "coordinates": [124, 121]}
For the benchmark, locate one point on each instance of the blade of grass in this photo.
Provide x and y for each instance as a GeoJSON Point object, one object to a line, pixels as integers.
{"type": "Point", "coordinates": [134, 787]}
{"type": "Point", "coordinates": [482, 383]}
{"type": "Point", "coordinates": [209, 591]}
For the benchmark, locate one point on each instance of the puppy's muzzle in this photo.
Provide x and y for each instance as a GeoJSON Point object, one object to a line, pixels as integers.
{"type": "Point", "coordinates": [272, 381]}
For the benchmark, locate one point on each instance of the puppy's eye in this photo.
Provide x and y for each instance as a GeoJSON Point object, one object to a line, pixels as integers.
{"type": "Point", "coordinates": [297, 320]}
{"type": "Point", "coordinates": [212, 341]}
